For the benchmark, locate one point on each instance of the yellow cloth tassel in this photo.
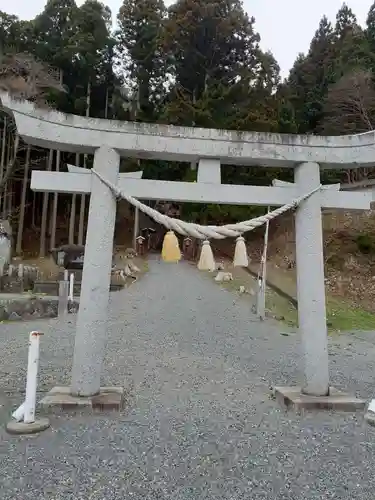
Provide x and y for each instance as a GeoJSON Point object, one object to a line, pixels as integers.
{"type": "Point", "coordinates": [171, 250]}
{"type": "Point", "coordinates": [240, 253]}
{"type": "Point", "coordinates": [206, 260]}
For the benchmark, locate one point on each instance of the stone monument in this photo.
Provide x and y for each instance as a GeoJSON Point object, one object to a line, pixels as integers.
{"type": "Point", "coordinates": [69, 256]}
{"type": "Point", "coordinates": [5, 245]}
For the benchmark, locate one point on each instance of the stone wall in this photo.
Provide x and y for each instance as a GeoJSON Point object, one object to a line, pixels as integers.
{"type": "Point", "coordinates": [30, 308]}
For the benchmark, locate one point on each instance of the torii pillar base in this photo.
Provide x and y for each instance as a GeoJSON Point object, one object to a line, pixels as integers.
{"type": "Point", "coordinates": [108, 399]}
{"type": "Point", "coordinates": [293, 397]}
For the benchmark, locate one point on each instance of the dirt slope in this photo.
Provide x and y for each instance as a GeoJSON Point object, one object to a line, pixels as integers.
{"type": "Point", "coordinates": [349, 253]}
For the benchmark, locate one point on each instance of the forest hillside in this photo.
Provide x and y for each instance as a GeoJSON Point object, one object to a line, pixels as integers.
{"type": "Point", "coordinates": [195, 64]}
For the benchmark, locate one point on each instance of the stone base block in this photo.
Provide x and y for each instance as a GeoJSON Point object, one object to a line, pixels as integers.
{"type": "Point", "coordinates": [337, 400]}
{"type": "Point", "coordinates": [19, 428]}
{"type": "Point", "coordinates": [370, 418]}
{"type": "Point", "coordinates": [109, 398]}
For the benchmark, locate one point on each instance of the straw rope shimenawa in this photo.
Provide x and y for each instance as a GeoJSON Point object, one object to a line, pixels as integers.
{"type": "Point", "coordinates": [205, 232]}
{"type": "Point", "coordinates": [171, 251]}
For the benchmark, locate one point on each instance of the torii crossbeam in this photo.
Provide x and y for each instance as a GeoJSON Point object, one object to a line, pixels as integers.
{"type": "Point", "coordinates": [76, 181]}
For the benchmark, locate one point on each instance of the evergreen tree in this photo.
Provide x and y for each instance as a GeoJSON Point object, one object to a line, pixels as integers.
{"type": "Point", "coordinates": [14, 34]}
{"type": "Point", "coordinates": [52, 32]}
{"type": "Point", "coordinates": [370, 36]}
{"type": "Point", "coordinates": [214, 53]}
{"type": "Point", "coordinates": [139, 44]}
{"type": "Point", "coordinates": [92, 46]}
{"type": "Point", "coordinates": [345, 20]}
{"type": "Point", "coordinates": [370, 32]}
{"type": "Point", "coordinates": [311, 76]}
{"type": "Point", "coordinates": [352, 50]}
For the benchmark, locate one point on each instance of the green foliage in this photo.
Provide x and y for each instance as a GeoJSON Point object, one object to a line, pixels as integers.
{"type": "Point", "coordinates": [210, 42]}
{"type": "Point", "coordinates": [200, 64]}
{"type": "Point", "coordinates": [53, 30]}
{"type": "Point", "coordinates": [341, 315]}
{"type": "Point", "coordinates": [139, 45]}
{"type": "Point", "coordinates": [14, 34]}
{"type": "Point", "coordinates": [221, 77]}
{"type": "Point", "coordinates": [310, 78]}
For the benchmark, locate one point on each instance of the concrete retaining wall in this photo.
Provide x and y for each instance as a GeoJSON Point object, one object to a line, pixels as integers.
{"type": "Point", "coordinates": [19, 307]}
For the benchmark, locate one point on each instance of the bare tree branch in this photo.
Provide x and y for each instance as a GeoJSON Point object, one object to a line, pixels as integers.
{"type": "Point", "coordinates": [350, 104]}
{"type": "Point", "coordinates": [24, 76]}
{"type": "Point", "coordinates": [350, 109]}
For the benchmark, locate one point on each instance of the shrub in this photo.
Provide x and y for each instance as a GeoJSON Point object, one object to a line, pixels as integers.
{"type": "Point", "coordinates": [366, 243]}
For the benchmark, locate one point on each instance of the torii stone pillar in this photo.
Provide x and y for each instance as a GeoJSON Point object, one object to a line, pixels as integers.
{"type": "Point", "coordinates": [310, 282]}
{"type": "Point", "coordinates": [92, 319]}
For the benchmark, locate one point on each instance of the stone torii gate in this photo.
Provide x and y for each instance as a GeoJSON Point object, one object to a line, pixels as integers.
{"type": "Point", "coordinates": [211, 149]}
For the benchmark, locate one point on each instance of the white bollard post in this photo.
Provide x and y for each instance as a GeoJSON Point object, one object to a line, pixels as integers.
{"type": "Point", "coordinates": [260, 303]}
{"type": "Point", "coordinates": [71, 287]}
{"type": "Point", "coordinates": [32, 377]}
{"type": "Point", "coordinates": [262, 278]}
{"type": "Point", "coordinates": [19, 413]}
{"type": "Point", "coordinates": [370, 414]}
{"type": "Point", "coordinates": [20, 276]}
{"type": "Point", "coordinates": [23, 419]}
{"type": "Point", "coordinates": [136, 227]}
{"type": "Point", "coordinates": [63, 299]}
{"type": "Point", "coordinates": [66, 275]}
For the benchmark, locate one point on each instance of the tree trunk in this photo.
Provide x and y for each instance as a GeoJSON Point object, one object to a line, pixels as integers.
{"type": "Point", "coordinates": [54, 208]}
{"type": "Point", "coordinates": [53, 219]}
{"type": "Point", "coordinates": [138, 108]}
{"type": "Point", "coordinates": [42, 250]}
{"type": "Point", "coordinates": [2, 161]}
{"type": "Point", "coordinates": [21, 221]}
{"type": "Point", "coordinates": [33, 218]}
{"type": "Point", "coordinates": [106, 104]}
{"type": "Point", "coordinates": [81, 224]}
{"type": "Point", "coordinates": [72, 219]}
{"type": "Point", "coordinates": [6, 187]}
{"type": "Point", "coordinates": [82, 211]}
{"type": "Point", "coordinates": [10, 207]}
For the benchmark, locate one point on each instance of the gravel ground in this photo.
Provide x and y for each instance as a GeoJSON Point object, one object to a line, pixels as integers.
{"type": "Point", "coordinates": [199, 422]}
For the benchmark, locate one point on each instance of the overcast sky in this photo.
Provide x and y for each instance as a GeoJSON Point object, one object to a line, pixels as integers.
{"type": "Point", "coordinates": [286, 26]}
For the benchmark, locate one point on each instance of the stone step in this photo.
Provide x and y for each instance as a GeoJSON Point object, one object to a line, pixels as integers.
{"type": "Point", "coordinates": [52, 287]}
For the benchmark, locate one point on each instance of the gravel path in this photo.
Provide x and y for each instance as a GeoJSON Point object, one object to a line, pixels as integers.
{"type": "Point", "coordinates": [199, 422]}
